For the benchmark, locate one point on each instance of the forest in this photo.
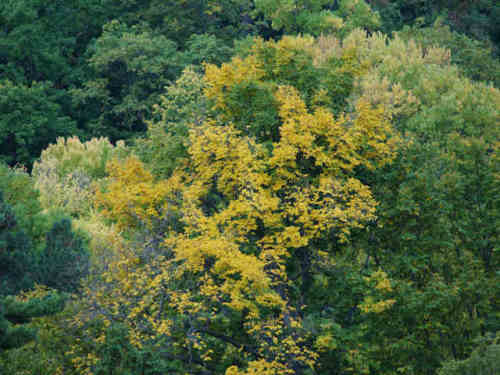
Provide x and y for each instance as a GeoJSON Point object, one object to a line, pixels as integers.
{"type": "Point", "coordinates": [250, 187]}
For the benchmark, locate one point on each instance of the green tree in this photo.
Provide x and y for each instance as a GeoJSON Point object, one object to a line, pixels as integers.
{"type": "Point", "coordinates": [437, 231]}
{"type": "Point", "coordinates": [178, 20]}
{"type": "Point", "coordinates": [14, 314]}
{"type": "Point", "coordinates": [18, 271]}
{"type": "Point", "coordinates": [477, 19]}
{"type": "Point", "coordinates": [17, 263]}
{"type": "Point", "coordinates": [182, 104]}
{"type": "Point", "coordinates": [318, 16]}
{"type": "Point", "coordinates": [30, 119]}
{"type": "Point", "coordinates": [484, 360]}
{"type": "Point", "coordinates": [45, 41]}
{"type": "Point", "coordinates": [474, 58]}
{"type": "Point", "coordinates": [130, 66]}
{"type": "Point", "coordinates": [65, 258]}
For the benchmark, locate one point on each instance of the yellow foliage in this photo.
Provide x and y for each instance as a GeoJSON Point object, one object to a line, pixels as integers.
{"type": "Point", "coordinates": [221, 79]}
{"type": "Point", "coordinates": [132, 196]}
{"type": "Point", "coordinates": [232, 252]}
{"type": "Point", "coordinates": [382, 284]}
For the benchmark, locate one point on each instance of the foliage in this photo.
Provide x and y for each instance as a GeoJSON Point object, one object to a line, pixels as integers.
{"type": "Point", "coordinates": [64, 260]}
{"type": "Point", "coordinates": [68, 170]}
{"type": "Point", "coordinates": [477, 19]}
{"type": "Point", "coordinates": [483, 360]}
{"type": "Point", "coordinates": [19, 192]}
{"type": "Point", "coordinates": [58, 262]}
{"type": "Point", "coordinates": [44, 42]}
{"type": "Point", "coordinates": [15, 312]}
{"type": "Point", "coordinates": [46, 352]}
{"type": "Point", "coordinates": [30, 119]}
{"type": "Point", "coordinates": [437, 228]}
{"type": "Point", "coordinates": [475, 59]}
{"type": "Point", "coordinates": [181, 106]}
{"type": "Point", "coordinates": [131, 66]}
{"type": "Point", "coordinates": [180, 20]}
{"type": "Point", "coordinates": [316, 17]}
{"type": "Point", "coordinates": [16, 257]}
{"type": "Point", "coordinates": [222, 267]}
{"type": "Point", "coordinates": [324, 204]}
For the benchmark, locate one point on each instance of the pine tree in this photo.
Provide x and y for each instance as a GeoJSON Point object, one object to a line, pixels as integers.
{"type": "Point", "coordinates": [17, 270]}
{"type": "Point", "coordinates": [14, 314]}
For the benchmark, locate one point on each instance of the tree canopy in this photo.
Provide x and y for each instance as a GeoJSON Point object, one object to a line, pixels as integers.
{"type": "Point", "coordinates": [249, 188]}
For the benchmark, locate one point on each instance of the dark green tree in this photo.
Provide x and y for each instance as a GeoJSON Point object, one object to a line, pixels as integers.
{"type": "Point", "coordinates": [14, 314]}
{"type": "Point", "coordinates": [16, 256]}
{"type": "Point", "coordinates": [18, 272]}
{"type": "Point", "coordinates": [477, 19]}
{"type": "Point", "coordinates": [484, 360]}
{"type": "Point", "coordinates": [131, 66]}
{"type": "Point", "coordinates": [65, 258]}
{"type": "Point", "coordinates": [30, 119]}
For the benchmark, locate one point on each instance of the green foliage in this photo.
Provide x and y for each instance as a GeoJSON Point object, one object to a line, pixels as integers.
{"type": "Point", "coordinates": [178, 20]}
{"type": "Point", "coordinates": [182, 105]}
{"type": "Point", "coordinates": [60, 261]}
{"type": "Point", "coordinates": [30, 118]}
{"type": "Point", "coordinates": [478, 19]}
{"type": "Point", "coordinates": [16, 257]}
{"type": "Point", "coordinates": [204, 48]}
{"type": "Point", "coordinates": [474, 58]}
{"type": "Point", "coordinates": [118, 356]}
{"type": "Point", "coordinates": [44, 42]}
{"type": "Point", "coordinates": [14, 314]}
{"type": "Point", "coordinates": [438, 222]}
{"type": "Point", "coordinates": [65, 259]}
{"type": "Point", "coordinates": [297, 16]}
{"type": "Point", "coordinates": [130, 66]}
{"type": "Point", "coordinates": [317, 17]}
{"type": "Point", "coordinates": [19, 192]}
{"type": "Point", "coordinates": [47, 351]}
{"type": "Point", "coordinates": [484, 360]}
{"type": "Point", "coordinates": [357, 14]}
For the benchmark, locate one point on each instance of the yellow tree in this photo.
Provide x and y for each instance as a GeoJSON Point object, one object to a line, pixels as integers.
{"type": "Point", "coordinates": [237, 215]}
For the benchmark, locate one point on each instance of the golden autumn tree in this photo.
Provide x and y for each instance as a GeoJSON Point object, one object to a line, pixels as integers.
{"type": "Point", "coordinates": [229, 242]}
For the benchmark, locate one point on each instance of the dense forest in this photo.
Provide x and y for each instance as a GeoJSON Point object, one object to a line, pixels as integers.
{"type": "Point", "coordinates": [263, 187]}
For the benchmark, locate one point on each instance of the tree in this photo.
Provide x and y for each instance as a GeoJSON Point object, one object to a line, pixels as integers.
{"type": "Point", "coordinates": [474, 58]}
{"type": "Point", "coordinates": [164, 144]}
{"type": "Point", "coordinates": [14, 314]}
{"type": "Point", "coordinates": [45, 42]}
{"type": "Point", "coordinates": [30, 119]}
{"type": "Point", "coordinates": [477, 19]}
{"type": "Point", "coordinates": [230, 242]}
{"type": "Point", "coordinates": [18, 272]}
{"type": "Point", "coordinates": [437, 224]}
{"type": "Point", "coordinates": [65, 259]}
{"type": "Point", "coordinates": [483, 360]}
{"type": "Point", "coordinates": [131, 66]}
{"type": "Point", "coordinates": [316, 17]}
{"type": "Point", "coordinates": [16, 257]}
{"type": "Point", "coordinates": [68, 171]}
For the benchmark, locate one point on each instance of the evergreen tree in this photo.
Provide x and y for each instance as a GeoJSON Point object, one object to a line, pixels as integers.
{"type": "Point", "coordinates": [14, 314]}
{"type": "Point", "coordinates": [16, 258]}
{"type": "Point", "coordinates": [17, 264]}
{"type": "Point", "coordinates": [65, 259]}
